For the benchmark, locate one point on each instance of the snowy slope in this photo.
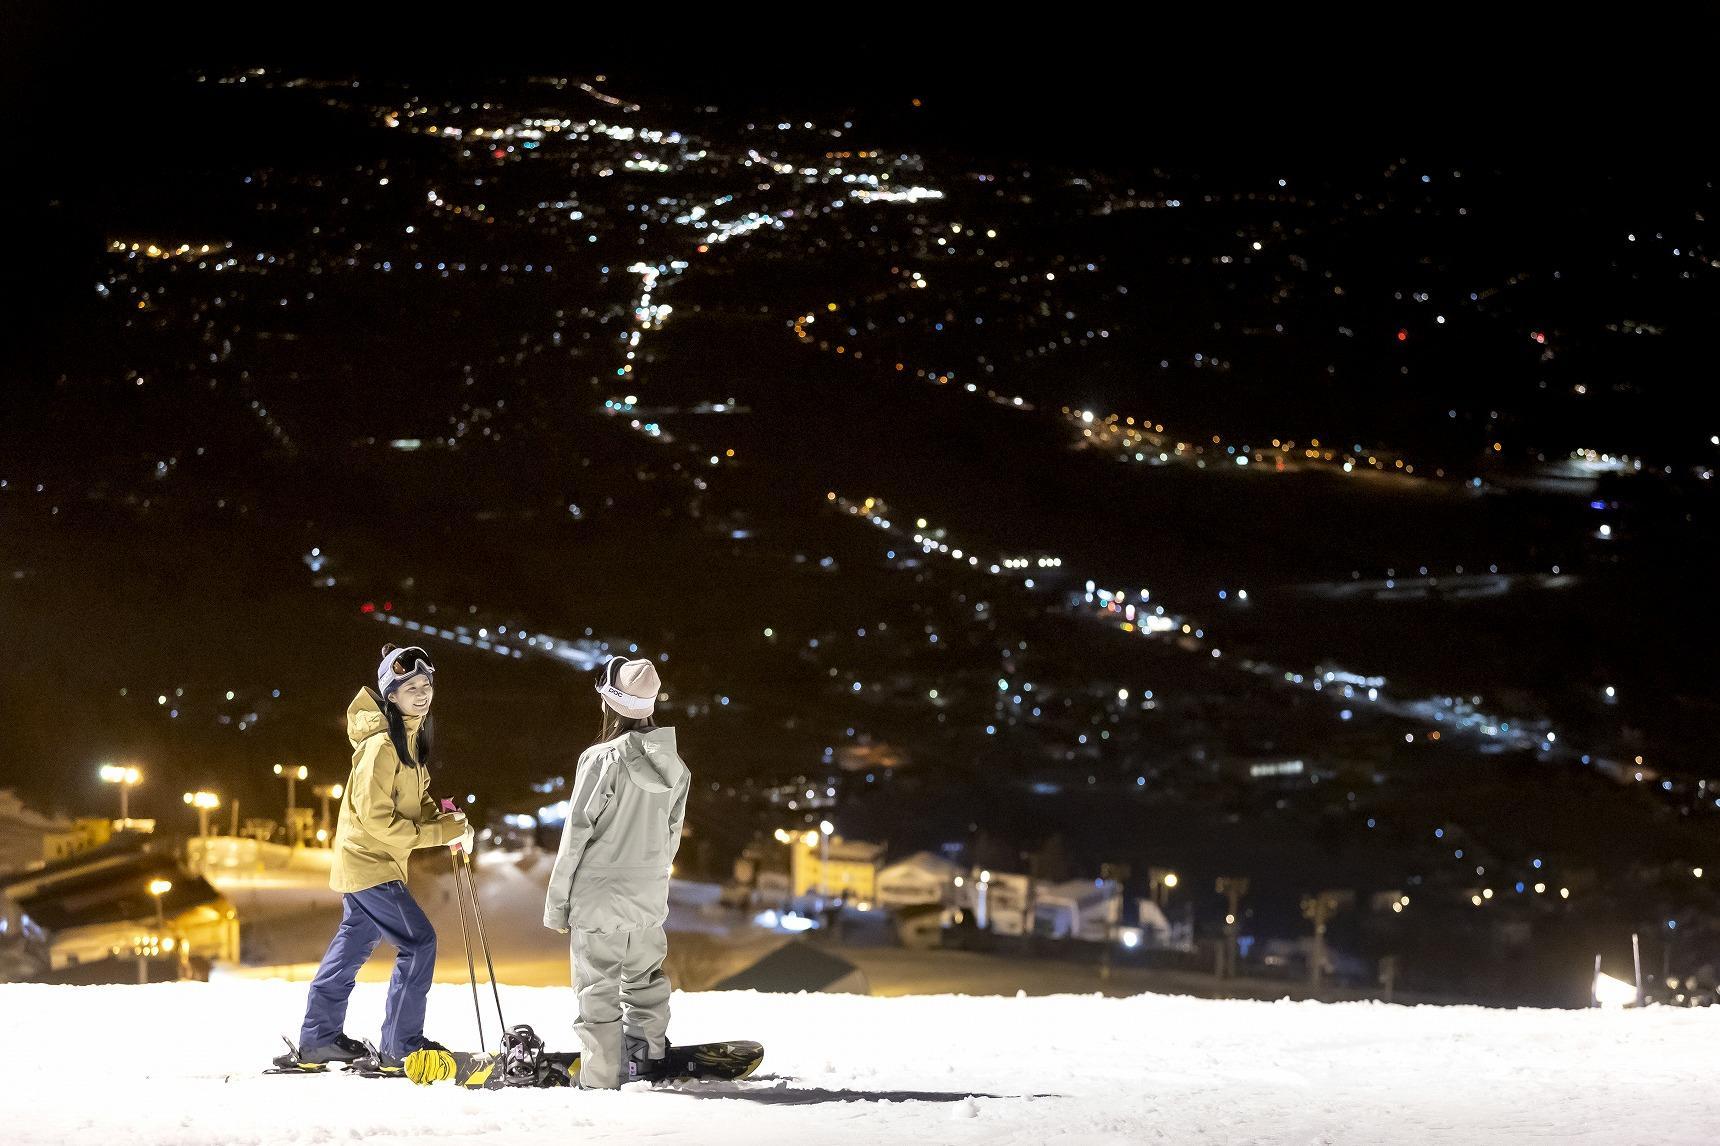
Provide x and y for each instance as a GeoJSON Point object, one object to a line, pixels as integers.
{"type": "Point", "coordinates": [176, 1064]}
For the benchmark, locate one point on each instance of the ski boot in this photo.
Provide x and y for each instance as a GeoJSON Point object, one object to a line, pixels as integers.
{"type": "Point", "coordinates": [314, 1060]}
{"type": "Point", "coordinates": [641, 1067]}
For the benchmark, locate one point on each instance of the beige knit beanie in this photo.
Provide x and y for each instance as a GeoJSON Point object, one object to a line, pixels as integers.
{"type": "Point", "coordinates": [629, 687]}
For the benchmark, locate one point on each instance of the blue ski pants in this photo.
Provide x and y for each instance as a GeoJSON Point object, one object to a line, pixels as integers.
{"type": "Point", "coordinates": [389, 912]}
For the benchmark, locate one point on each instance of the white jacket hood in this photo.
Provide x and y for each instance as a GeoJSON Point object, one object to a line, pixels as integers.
{"type": "Point", "coordinates": [651, 759]}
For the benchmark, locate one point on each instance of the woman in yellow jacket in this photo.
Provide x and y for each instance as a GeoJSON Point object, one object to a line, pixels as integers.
{"type": "Point", "coordinates": [386, 813]}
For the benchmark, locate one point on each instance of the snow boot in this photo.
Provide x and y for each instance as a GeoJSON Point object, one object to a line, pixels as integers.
{"type": "Point", "coordinates": [310, 1060]}
{"type": "Point", "coordinates": [641, 1067]}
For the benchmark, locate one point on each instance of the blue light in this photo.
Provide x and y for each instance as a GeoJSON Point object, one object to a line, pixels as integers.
{"type": "Point", "coordinates": [1519, 887]}
{"type": "Point", "coordinates": [1537, 865]}
{"type": "Point", "coordinates": [1439, 833]}
{"type": "Point", "coordinates": [1672, 925]}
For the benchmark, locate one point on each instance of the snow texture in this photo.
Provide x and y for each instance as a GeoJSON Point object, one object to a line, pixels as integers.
{"type": "Point", "coordinates": [179, 1063]}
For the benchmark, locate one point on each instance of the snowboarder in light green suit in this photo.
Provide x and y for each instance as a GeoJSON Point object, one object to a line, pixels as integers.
{"type": "Point", "coordinates": [610, 885]}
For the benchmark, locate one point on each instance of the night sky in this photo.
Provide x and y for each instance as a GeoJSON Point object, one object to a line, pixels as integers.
{"type": "Point", "coordinates": [1475, 259]}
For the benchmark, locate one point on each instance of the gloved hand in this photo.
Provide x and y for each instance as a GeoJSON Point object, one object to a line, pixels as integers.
{"type": "Point", "coordinates": [463, 845]}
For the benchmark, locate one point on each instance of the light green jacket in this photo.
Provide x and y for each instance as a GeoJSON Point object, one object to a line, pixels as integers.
{"type": "Point", "coordinates": [622, 831]}
{"type": "Point", "coordinates": [386, 811]}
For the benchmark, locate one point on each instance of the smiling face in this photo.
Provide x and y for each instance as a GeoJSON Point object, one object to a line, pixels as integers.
{"type": "Point", "coordinates": [413, 698]}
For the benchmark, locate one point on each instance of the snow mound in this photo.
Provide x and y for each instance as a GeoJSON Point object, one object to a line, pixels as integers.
{"type": "Point", "coordinates": [179, 1064]}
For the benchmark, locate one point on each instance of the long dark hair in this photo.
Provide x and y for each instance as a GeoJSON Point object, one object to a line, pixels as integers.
{"type": "Point", "coordinates": [397, 733]}
{"type": "Point", "coordinates": [397, 727]}
{"type": "Point", "coordinates": [613, 725]}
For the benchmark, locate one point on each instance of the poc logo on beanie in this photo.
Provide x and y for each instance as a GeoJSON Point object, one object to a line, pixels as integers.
{"type": "Point", "coordinates": [629, 687]}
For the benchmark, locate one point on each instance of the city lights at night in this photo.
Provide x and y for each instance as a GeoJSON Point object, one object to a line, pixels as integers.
{"type": "Point", "coordinates": [1150, 573]}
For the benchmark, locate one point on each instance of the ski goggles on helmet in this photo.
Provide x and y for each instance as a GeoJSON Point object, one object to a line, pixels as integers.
{"type": "Point", "coordinates": [401, 665]}
{"type": "Point", "coordinates": [409, 661]}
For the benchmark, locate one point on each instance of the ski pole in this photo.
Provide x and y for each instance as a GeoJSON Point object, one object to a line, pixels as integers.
{"type": "Point", "coordinates": [484, 942]}
{"type": "Point", "coordinates": [466, 938]}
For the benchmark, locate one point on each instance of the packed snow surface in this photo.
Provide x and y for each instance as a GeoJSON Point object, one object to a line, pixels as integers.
{"type": "Point", "coordinates": [180, 1063]}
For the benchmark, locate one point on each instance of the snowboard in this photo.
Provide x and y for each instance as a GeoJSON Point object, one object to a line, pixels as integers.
{"type": "Point", "coordinates": [701, 1062]}
{"type": "Point", "coordinates": [333, 1068]}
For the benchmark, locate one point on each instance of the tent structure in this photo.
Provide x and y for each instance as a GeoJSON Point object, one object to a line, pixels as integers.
{"type": "Point", "coordinates": [923, 877]}
{"type": "Point", "coordinates": [1079, 908]}
{"type": "Point", "coordinates": [795, 967]}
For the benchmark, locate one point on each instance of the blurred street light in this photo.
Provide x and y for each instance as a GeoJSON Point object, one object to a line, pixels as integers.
{"type": "Point", "coordinates": [204, 802]}
{"type": "Point", "coordinates": [293, 774]}
{"type": "Point", "coordinates": [1319, 909]}
{"type": "Point", "coordinates": [1233, 888]}
{"type": "Point", "coordinates": [327, 792]}
{"type": "Point", "coordinates": [825, 830]}
{"type": "Point", "coordinates": [1161, 880]}
{"type": "Point", "coordinates": [127, 778]}
{"type": "Point", "coordinates": [159, 888]}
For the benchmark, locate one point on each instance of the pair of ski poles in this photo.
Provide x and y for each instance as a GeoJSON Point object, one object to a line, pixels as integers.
{"type": "Point", "coordinates": [463, 862]}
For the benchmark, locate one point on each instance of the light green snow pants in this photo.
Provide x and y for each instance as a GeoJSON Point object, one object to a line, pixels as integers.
{"type": "Point", "coordinates": [623, 1001]}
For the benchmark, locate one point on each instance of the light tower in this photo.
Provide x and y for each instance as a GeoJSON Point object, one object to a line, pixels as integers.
{"type": "Point", "coordinates": [293, 774]}
{"type": "Point", "coordinates": [328, 792]}
{"type": "Point", "coordinates": [204, 802]}
{"type": "Point", "coordinates": [127, 777]}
